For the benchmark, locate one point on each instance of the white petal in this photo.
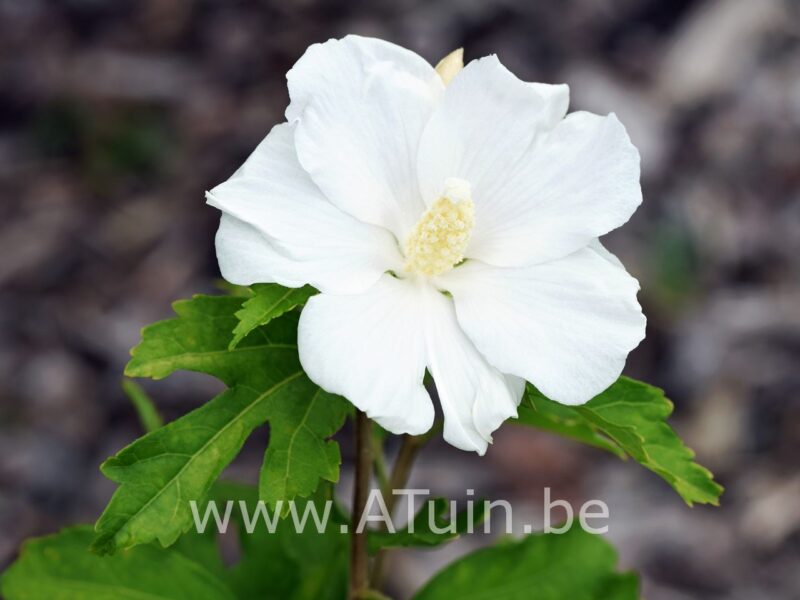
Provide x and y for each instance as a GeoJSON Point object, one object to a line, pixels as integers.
{"type": "Point", "coordinates": [603, 251]}
{"type": "Point", "coordinates": [360, 106]}
{"type": "Point", "coordinates": [373, 349]}
{"type": "Point", "coordinates": [517, 385]}
{"type": "Point", "coordinates": [485, 122]}
{"type": "Point", "coordinates": [370, 349]}
{"type": "Point", "coordinates": [332, 250]}
{"type": "Point", "coordinates": [566, 326]}
{"type": "Point", "coordinates": [575, 183]}
{"type": "Point", "coordinates": [246, 256]}
{"type": "Point", "coordinates": [556, 98]}
{"type": "Point", "coordinates": [543, 185]}
{"type": "Point", "coordinates": [476, 398]}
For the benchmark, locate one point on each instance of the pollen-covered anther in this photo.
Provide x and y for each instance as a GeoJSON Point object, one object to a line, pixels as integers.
{"type": "Point", "coordinates": [439, 239]}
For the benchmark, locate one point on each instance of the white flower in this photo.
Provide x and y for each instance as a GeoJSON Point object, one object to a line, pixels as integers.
{"type": "Point", "coordinates": [449, 228]}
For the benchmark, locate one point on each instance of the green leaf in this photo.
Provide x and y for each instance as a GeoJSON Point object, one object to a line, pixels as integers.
{"type": "Point", "coordinates": [561, 419]}
{"type": "Point", "coordinates": [60, 567]}
{"type": "Point", "coordinates": [269, 301]}
{"type": "Point", "coordinates": [231, 289]}
{"type": "Point", "coordinates": [160, 473]}
{"type": "Point", "coordinates": [422, 534]}
{"type": "Point", "coordinates": [628, 419]}
{"type": "Point", "coordinates": [286, 564]}
{"type": "Point", "coordinates": [624, 586]}
{"type": "Point", "coordinates": [575, 565]}
{"type": "Point", "coordinates": [148, 414]}
{"type": "Point", "coordinates": [299, 455]}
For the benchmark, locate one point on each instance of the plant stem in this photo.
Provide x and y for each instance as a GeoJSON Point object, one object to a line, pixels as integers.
{"type": "Point", "coordinates": [381, 474]}
{"type": "Point", "coordinates": [359, 565]}
{"type": "Point", "coordinates": [409, 448]}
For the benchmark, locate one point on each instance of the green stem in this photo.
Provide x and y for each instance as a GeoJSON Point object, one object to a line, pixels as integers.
{"type": "Point", "coordinates": [359, 561]}
{"type": "Point", "coordinates": [381, 472]}
{"type": "Point", "coordinates": [409, 449]}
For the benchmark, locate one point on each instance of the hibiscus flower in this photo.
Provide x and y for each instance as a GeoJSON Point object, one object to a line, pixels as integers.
{"type": "Point", "coordinates": [450, 223]}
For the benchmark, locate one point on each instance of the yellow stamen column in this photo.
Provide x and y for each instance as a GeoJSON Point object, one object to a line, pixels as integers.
{"type": "Point", "coordinates": [438, 241]}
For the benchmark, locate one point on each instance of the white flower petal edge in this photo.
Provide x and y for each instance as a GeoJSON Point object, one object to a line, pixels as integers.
{"type": "Point", "coordinates": [370, 349]}
{"type": "Point", "coordinates": [373, 348]}
{"type": "Point", "coordinates": [475, 397]}
{"type": "Point", "coordinates": [319, 243]}
{"type": "Point", "coordinates": [485, 122]}
{"type": "Point", "coordinates": [566, 326]}
{"type": "Point", "coordinates": [543, 185]}
{"type": "Point", "coordinates": [578, 182]}
{"type": "Point", "coordinates": [598, 247]}
{"type": "Point", "coordinates": [246, 256]}
{"type": "Point", "coordinates": [360, 105]}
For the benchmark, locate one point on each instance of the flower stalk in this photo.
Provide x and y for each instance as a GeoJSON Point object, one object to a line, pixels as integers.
{"type": "Point", "coordinates": [359, 560]}
{"type": "Point", "coordinates": [409, 449]}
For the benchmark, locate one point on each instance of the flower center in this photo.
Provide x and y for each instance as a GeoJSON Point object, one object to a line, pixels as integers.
{"type": "Point", "coordinates": [438, 240]}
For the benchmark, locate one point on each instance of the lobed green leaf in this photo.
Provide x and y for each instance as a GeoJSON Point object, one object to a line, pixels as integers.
{"type": "Point", "coordinates": [299, 454]}
{"type": "Point", "coordinates": [273, 564]}
{"type": "Point", "coordinates": [60, 567]}
{"type": "Point", "coordinates": [287, 564]}
{"type": "Point", "coordinates": [268, 302]}
{"type": "Point", "coordinates": [160, 473]}
{"type": "Point", "coordinates": [628, 419]}
{"type": "Point", "coordinates": [575, 565]}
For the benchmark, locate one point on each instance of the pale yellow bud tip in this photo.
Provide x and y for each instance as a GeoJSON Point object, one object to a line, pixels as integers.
{"type": "Point", "coordinates": [450, 65]}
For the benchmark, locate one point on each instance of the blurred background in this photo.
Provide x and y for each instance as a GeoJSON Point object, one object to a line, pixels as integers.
{"type": "Point", "coordinates": [115, 116]}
